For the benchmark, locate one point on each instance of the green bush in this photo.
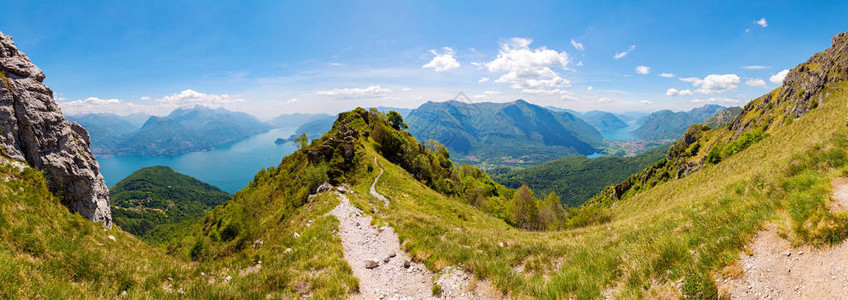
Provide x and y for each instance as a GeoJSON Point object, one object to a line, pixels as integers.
{"type": "Point", "coordinates": [699, 285]}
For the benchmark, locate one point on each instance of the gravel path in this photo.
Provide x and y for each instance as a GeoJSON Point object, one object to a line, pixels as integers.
{"type": "Point", "coordinates": [374, 186]}
{"type": "Point", "coordinates": [776, 270]}
{"type": "Point", "coordinates": [387, 272]}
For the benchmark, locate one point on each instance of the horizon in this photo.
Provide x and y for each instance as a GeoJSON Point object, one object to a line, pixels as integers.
{"type": "Point", "coordinates": [267, 119]}
{"type": "Point", "coordinates": [279, 58]}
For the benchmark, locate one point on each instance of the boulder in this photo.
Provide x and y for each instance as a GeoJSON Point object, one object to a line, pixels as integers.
{"type": "Point", "coordinates": [33, 130]}
{"type": "Point", "coordinates": [323, 188]}
{"type": "Point", "coordinates": [370, 264]}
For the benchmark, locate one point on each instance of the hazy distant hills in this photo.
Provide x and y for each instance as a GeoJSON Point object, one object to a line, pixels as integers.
{"type": "Point", "coordinates": [666, 124]}
{"type": "Point", "coordinates": [107, 130]}
{"type": "Point", "coordinates": [601, 120]}
{"type": "Point", "coordinates": [184, 130]}
{"type": "Point", "coordinates": [514, 132]}
{"type": "Point", "coordinates": [297, 119]}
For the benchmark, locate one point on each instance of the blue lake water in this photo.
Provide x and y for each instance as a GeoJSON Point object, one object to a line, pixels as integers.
{"type": "Point", "coordinates": [230, 167]}
{"type": "Point", "coordinates": [620, 134]}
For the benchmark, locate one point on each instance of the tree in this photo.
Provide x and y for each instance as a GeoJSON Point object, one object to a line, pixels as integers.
{"type": "Point", "coordinates": [551, 211]}
{"type": "Point", "coordinates": [525, 213]}
{"type": "Point", "coordinates": [397, 120]}
{"type": "Point", "coordinates": [302, 140]}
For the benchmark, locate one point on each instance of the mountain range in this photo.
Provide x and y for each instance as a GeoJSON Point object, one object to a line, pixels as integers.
{"type": "Point", "coordinates": [667, 124]}
{"type": "Point", "coordinates": [601, 120]}
{"type": "Point", "coordinates": [184, 130]}
{"type": "Point", "coordinates": [503, 133]}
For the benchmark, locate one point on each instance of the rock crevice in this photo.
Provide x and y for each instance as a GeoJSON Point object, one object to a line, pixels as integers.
{"type": "Point", "coordinates": [33, 129]}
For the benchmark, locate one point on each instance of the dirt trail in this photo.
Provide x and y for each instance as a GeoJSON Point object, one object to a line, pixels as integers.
{"type": "Point", "coordinates": [374, 186]}
{"type": "Point", "coordinates": [840, 194]}
{"type": "Point", "coordinates": [387, 272]}
{"type": "Point", "coordinates": [776, 270]}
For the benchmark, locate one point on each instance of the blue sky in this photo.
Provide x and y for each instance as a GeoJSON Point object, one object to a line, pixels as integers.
{"type": "Point", "coordinates": [274, 57]}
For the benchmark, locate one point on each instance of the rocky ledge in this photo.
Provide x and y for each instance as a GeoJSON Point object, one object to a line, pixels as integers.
{"type": "Point", "coordinates": [33, 130]}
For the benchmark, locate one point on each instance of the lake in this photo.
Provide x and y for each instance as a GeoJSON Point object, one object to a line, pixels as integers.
{"type": "Point", "coordinates": [230, 167]}
{"type": "Point", "coordinates": [621, 134]}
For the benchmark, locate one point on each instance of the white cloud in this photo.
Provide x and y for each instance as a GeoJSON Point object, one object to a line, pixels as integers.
{"type": "Point", "coordinates": [778, 78]}
{"type": "Point", "coordinates": [644, 70]}
{"type": "Point", "coordinates": [406, 89]}
{"type": "Point", "coordinates": [487, 94]}
{"type": "Point", "coordinates": [442, 61]}
{"type": "Point", "coordinates": [604, 100]}
{"type": "Point", "coordinates": [191, 97]}
{"type": "Point", "coordinates": [676, 92]}
{"type": "Point", "coordinates": [762, 22]}
{"type": "Point", "coordinates": [716, 100]}
{"type": "Point", "coordinates": [578, 46]}
{"type": "Point", "coordinates": [147, 105]}
{"type": "Point", "coordinates": [756, 82]}
{"type": "Point", "coordinates": [292, 101]}
{"type": "Point", "coordinates": [94, 105]}
{"type": "Point", "coordinates": [589, 88]}
{"type": "Point", "coordinates": [373, 91]}
{"type": "Point", "coordinates": [529, 69]}
{"type": "Point", "coordinates": [713, 84]}
{"type": "Point", "coordinates": [645, 102]}
{"type": "Point", "coordinates": [484, 79]}
{"type": "Point", "coordinates": [621, 55]}
{"type": "Point", "coordinates": [580, 63]}
{"type": "Point", "coordinates": [666, 75]}
{"type": "Point", "coordinates": [755, 67]}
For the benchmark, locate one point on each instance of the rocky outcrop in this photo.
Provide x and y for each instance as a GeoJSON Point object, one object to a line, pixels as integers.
{"type": "Point", "coordinates": [33, 129]}
{"type": "Point", "coordinates": [801, 88]}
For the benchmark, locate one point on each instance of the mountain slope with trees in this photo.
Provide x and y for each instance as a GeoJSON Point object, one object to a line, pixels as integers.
{"type": "Point", "coordinates": [575, 179]}
{"type": "Point", "coordinates": [154, 196]}
{"type": "Point", "coordinates": [503, 133]}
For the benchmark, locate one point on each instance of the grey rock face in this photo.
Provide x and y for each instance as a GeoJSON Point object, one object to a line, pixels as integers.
{"type": "Point", "coordinates": [33, 129]}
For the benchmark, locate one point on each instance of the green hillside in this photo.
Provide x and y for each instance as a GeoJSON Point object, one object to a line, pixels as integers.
{"type": "Point", "coordinates": [514, 133]}
{"type": "Point", "coordinates": [575, 179]}
{"type": "Point", "coordinates": [159, 195]}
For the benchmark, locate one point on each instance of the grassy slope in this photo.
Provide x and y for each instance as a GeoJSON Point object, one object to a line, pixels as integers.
{"type": "Point", "coordinates": [46, 252]}
{"type": "Point", "coordinates": [695, 225]}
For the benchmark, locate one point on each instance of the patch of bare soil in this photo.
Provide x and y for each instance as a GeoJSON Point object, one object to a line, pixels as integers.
{"type": "Point", "coordinates": [776, 270]}
{"type": "Point", "coordinates": [840, 194]}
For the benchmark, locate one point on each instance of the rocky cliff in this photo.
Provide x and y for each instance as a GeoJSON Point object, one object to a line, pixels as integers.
{"type": "Point", "coordinates": [33, 129]}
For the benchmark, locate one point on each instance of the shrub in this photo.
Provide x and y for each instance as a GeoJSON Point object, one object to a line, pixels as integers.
{"type": "Point", "coordinates": [699, 285]}
{"type": "Point", "coordinates": [230, 232]}
{"type": "Point", "coordinates": [714, 156]}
